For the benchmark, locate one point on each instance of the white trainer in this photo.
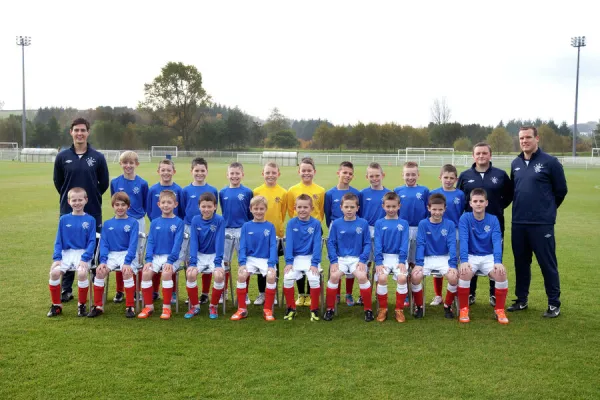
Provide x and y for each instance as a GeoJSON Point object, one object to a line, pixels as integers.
{"type": "Point", "coordinates": [437, 300]}
{"type": "Point", "coordinates": [260, 299]}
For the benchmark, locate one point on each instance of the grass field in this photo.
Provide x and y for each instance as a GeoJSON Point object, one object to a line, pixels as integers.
{"type": "Point", "coordinates": [434, 358]}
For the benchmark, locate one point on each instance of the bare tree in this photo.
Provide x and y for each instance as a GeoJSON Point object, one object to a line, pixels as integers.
{"type": "Point", "coordinates": [440, 112]}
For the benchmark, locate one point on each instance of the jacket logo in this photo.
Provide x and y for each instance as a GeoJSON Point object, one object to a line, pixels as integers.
{"type": "Point", "coordinates": [471, 181]}
{"type": "Point", "coordinates": [494, 180]}
{"type": "Point", "coordinates": [517, 169]}
{"type": "Point", "coordinates": [68, 161]}
{"type": "Point", "coordinates": [90, 161]}
{"type": "Point", "coordinates": [538, 168]}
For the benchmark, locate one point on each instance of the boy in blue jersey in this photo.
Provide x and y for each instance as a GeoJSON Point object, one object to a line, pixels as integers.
{"type": "Point", "coordinates": [162, 254]}
{"type": "Point", "coordinates": [166, 170]}
{"type": "Point", "coordinates": [348, 247]}
{"type": "Point", "coordinates": [481, 250]}
{"type": "Point", "coordinates": [190, 198]}
{"type": "Point", "coordinates": [371, 201]}
{"type": "Point", "coordinates": [303, 257]}
{"type": "Point", "coordinates": [73, 251]}
{"type": "Point", "coordinates": [333, 211]}
{"type": "Point", "coordinates": [137, 191]}
{"type": "Point", "coordinates": [206, 253]}
{"type": "Point", "coordinates": [257, 254]}
{"type": "Point", "coordinates": [118, 252]}
{"type": "Point", "coordinates": [436, 252]}
{"type": "Point", "coordinates": [235, 208]}
{"type": "Point", "coordinates": [391, 250]}
{"type": "Point", "coordinates": [455, 205]}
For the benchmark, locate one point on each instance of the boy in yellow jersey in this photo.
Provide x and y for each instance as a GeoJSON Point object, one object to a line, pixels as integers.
{"type": "Point", "coordinates": [307, 172]}
{"type": "Point", "coordinates": [277, 199]}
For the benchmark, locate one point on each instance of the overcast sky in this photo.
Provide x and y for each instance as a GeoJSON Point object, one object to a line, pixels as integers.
{"type": "Point", "coordinates": [346, 61]}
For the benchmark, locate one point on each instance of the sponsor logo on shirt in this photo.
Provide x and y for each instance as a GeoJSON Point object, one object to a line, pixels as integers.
{"type": "Point", "coordinates": [368, 199]}
{"type": "Point", "coordinates": [68, 225]}
{"type": "Point", "coordinates": [547, 235]}
{"type": "Point", "coordinates": [158, 227]}
{"type": "Point", "coordinates": [121, 189]}
{"type": "Point", "coordinates": [111, 228]}
{"type": "Point", "coordinates": [342, 232]}
{"type": "Point", "coordinates": [193, 196]}
{"type": "Point", "coordinates": [225, 198]}
{"type": "Point", "coordinates": [336, 201]}
{"type": "Point", "coordinates": [295, 229]}
{"type": "Point", "coordinates": [385, 228]}
{"type": "Point", "coordinates": [517, 169]}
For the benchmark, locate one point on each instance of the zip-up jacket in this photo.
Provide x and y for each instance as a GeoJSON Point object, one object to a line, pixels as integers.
{"type": "Point", "coordinates": [496, 183]}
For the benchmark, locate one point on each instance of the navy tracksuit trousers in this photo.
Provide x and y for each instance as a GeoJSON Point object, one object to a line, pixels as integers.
{"type": "Point", "coordinates": [528, 239]}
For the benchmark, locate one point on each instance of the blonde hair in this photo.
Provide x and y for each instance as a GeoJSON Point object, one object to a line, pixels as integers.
{"type": "Point", "coordinates": [76, 190]}
{"type": "Point", "coordinates": [167, 193]}
{"type": "Point", "coordinates": [272, 165]}
{"type": "Point", "coordinates": [259, 200]}
{"type": "Point", "coordinates": [129, 156]}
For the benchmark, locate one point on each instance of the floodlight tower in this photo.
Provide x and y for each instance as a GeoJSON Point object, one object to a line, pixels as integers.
{"type": "Point", "coordinates": [579, 42]}
{"type": "Point", "coordinates": [23, 41]}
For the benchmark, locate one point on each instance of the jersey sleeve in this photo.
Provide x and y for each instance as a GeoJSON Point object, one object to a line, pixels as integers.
{"type": "Point", "coordinates": [91, 242]}
{"type": "Point", "coordinates": [103, 177]}
{"type": "Point", "coordinates": [149, 204]}
{"type": "Point", "coordinates": [242, 251]}
{"type": "Point", "coordinates": [273, 256]}
{"type": "Point", "coordinates": [332, 244]}
{"type": "Point", "coordinates": [378, 242]}
{"type": "Point", "coordinates": [404, 243]}
{"type": "Point", "coordinates": [291, 202]}
{"type": "Point", "coordinates": [113, 185]}
{"type": "Point", "coordinates": [451, 243]}
{"type": "Point", "coordinates": [366, 243]}
{"type": "Point", "coordinates": [58, 245]}
{"type": "Point", "coordinates": [181, 206]}
{"type": "Point", "coordinates": [559, 182]}
{"type": "Point", "coordinates": [150, 244]}
{"type": "Point", "coordinates": [145, 191]}
{"type": "Point", "coordinates": [289, 244]}
{"type": "Point", "coordinates": [249, 215]}
{"type": "Point", "coordinates": [194, 243]}
{"type": "Point", "coordinates": [284, 206]}
{"type": "Point", "coordinates": [59, 174]}
{"type": "Point", "coordinates": [104, 248]}
{"type": "Point", "coordinates": [133, 242]}
{"type": "Point", "coordinates": [174, 255]}
{"type": "Point", "coordinates": [463, 237]}
{"type": "Point", "coordinates": [420, 246]}
{"type": "Point", "coordinates": [317, 246]}
{"type": "Point", "coordinates": [497, 241]}
{"type": "Point", "coordinates": [219, 243]}
{"type": "Point", "coordinates": [508, 190]}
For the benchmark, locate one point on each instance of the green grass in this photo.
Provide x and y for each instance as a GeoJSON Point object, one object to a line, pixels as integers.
{"type": "Point", "coordinates": [112, 357]}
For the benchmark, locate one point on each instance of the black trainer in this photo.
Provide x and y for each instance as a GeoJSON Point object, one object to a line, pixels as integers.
{"type": "Point", "coordinates": [203, 299]}
{"type": "Point", "coordinates": [155, 296]}
{"type": "Point", "coordinates": [54, 311]}
{"type": "Point", "coordinates": [66, 297]}
{"type": "Point", "coordinates": [418, 312]}
{"type": "Point", "coordinates": [492, 300]}
{"type": "Point", "coordinates": [329, 314]}
{"type": "Point", "coordinates": [448, 313]}
{"type": "Point", "coordinates": [471, 299]}
{"type": "Point", "coordinates": [119, 297]}
{"type": "Point", "coordinates": [517, 305]}
{"type": "Point", "coordinates": [552, 312]}
{"type": "Point", "coordinates": [95, 311]}
{"type": "Point", "coordinates": [81, 310]}
{"type": "Point", "coordinates": [369, 316]}
{"type": "Point", "coordinates": [130, 312]}
{"type": "Point", "coordinates": [359, 301]}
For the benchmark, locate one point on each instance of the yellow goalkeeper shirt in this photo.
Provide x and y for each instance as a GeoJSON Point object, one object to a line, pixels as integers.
{"type": "Point", "coordinates": [313, 190]}
{"type": "Point", "coordinates": [277, 198]}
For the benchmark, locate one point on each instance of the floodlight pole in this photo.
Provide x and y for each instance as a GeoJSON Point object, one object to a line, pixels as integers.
{"type": "Point", "coordinates": [579, 42]}
{"type": "Point", "coordinates": [23, 41]}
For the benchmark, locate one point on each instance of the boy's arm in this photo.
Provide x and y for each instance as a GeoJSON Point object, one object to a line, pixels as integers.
{"type": "Point", "coordinates": [133, 242]}
{"type": "Point", "coordinates": [463, 237]}
{"type": "Point", "coordinates": [317, 246]}
{"type": "Point", "coordinates": [194, 243]}
{"type": "Point", "coordinates": [150, 245]}
{"type": "Point", "coordinates": [421, 242]}
{"type": "Point", "coordinates": [91, 243]}
{"type": "Point", "coordinates": [242, 251]}
{"type": "Point", "coordinates": [174, 256]}
{"type": "Point", "coordinates": [57, 255]}
{"type": "Point", "coordinates": [327, 208]}
{"type": "Point", "coordinates": [104, 249]}
{"type": "Point", "coordinates": [451, 243]}
{"type": "Point", "coordinates": [103, 178]}
{"type": "Point", "coordinates": [404, 243]}
{"type": "Point", "coordinates": [145, 195]}
{"type": "Point", "coordinates": [366, 244]}
{"type": "Point", "coordinates": [332, 245]}
{"type": "Point", "coordinates": [496, 241]}
{"type": "Point", "coordinates": [378, 250]}
{"type": "Point", "coordinates": [289, 244]}
{"type": "Point", "coordinates": [273, 256]}
{"type": "Point", "coordinates": [149, 203]}
{"type": "Point", "coordinates": [219, 243]}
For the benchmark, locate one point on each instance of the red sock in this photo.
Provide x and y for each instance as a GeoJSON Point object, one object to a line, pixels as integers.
{"type": "Point", "coordinates": [55, 294]}
{"type": "Point", "coordinates": [130, 295]}
{"type": "Point", "coordinates": [193, 295]}
{"type": "Point", "coordinates": [82, 295]}
{"type": "Point", "coordinates": [438, 281]}
{"type": "Point", "coordinates": [98, 295]}
{"type": "Point", "coordinates": [463, 297]}
{"type": "Point", "coordinates": [500, 298]}
{"type": "Point", "coordinates": [330, 298]}
{"type": "Point", "coordinates": [450, 298]}
{"type": "Point", "coordinates": [367, 295]}
{"type": "Point", "coordinates": [400, 299]}
{"type": "Point", "coordinates": [418, 296]}
{"type": "Point", "coordinates": [156, 282]}
{"type": "Point", "coordinates": [227, 279]}
{"type": "Point", "coordinates": [206, 278]}
{"type": "Point", "coordinates": [147, 293]}
{"type": "Point", "coordinates": [383, 300]}
{"type": "Point", "coordinates": [119, 281]}
{"type": "Point", "coordinates": [289, 297]}
{"type": "Point", "coordinates": [349, 285]}
{"type": "Point", "coordinates": [315, 295]}
{"type": "Point", "coordinates": [241, 295]}
{"type": "Point", "coordinates": [168, 295]}
{"type": "Point", "coordinates": [269, 298]}
{"type": "Point", "coordinates": [216, 295]}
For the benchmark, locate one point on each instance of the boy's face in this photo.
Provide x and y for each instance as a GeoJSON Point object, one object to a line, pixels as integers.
{"type": "Point", "coordinates": [166, 172]}
{"type": "Point", "coordinates": [80, 134]}
{"type": "Point", "coordinates": [307, 173]}
{"type": "Point", "coordinates": [258, 210]}
{"type": "Point", "coordinates": [448, 180]}
{"type": "Point", "coordinates": [410, 175]}
{"type": "Point", "coordinates": [199, 172]}
{"type": "Point", "coordinates": [391, 208]}
{"type": "Point", "coordinates": [375, 176]}
{"type": "Point", "coordinates": [120, 208]}
{"type": "Point", "coordinates": [303, 209]}
{"type": "Point", "coordinates": [207, 209]}
{"type": "Point", "coordinates": [77, 201]}
{"type": "Point", "coordinates": [270, 174]}
{"type": "Point", "coordinates": [437, 211]}
{"type": "Point", "coordinates": [349, 208]}
{"type": "Point", "coordinates": [478, 204]}
{"type": "Point", "coordinates": [345, 175]}
{"type": "Point", "coordinates": [167, 204]}
{"type": "Point", "coordinates": [235, 176]}
{"type": "Point", "coordinates": [129, 166]}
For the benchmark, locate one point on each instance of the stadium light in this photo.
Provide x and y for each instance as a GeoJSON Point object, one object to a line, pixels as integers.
{"type": "Point", "coordinates": [579, 42]}
{"type": "Point", "coordinates": [23, 41]}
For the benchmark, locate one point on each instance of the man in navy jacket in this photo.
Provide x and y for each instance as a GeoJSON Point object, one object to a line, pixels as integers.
{"type": "Point", "coordinates": [80, 166]}
{"type": "Point", "coordinates": [540, 188]}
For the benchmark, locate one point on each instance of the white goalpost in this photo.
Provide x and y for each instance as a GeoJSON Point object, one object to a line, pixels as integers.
{"type": "Point", "coordinates": [429, 156]}
{"type": "Point", "coordinates": [9, 151]}
{"type": "Point", "coordinates": [163, 151]}
{"type": "Point", "coordinates": [595, 152]}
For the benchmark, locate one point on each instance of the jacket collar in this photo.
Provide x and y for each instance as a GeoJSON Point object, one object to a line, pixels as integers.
{"type": "Point", "coordinates": [533, 155]}
{"type": "Point", "coordinates": [485, 172]}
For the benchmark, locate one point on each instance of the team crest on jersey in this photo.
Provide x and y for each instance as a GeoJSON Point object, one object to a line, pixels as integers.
{"type": "Point", "coordinates": [358, 230]}
{"type": "Point", "coordinates": [241, 197]}
{"type": "Point", "coordinates": [173, 228]}
{"type": "Point", "coordinates": [419, 195]}
{"type": "Point", "coordinates": [487, 228]}
{"type": "Point", "coordinates": [266, 232]}
{"type": "Point", "coordinates": [310, 230]}
{"type": "Point", "coordinates": [85, 225]}
{"type": "Point", "coordinates": [127, 228]}
{"type": "Point", "coordinates": [538, 168]}
{"type": "Point", "coordinates": [456, 200]}
{"type": "Point", "coordinates": [90, 161]}
{"type": "Point", "coordinates": [315, 197]}
{"type": "Point", "coordinates": [494, 180]}
{"type": "Point", "coordinates": [444, 232]}
{"type": "Point", "coordinates": [471, 181]}
{"type": "Point", "coordinates": [400, 227]}
{"type": "Point", "coordinates": [213, 228]}
{"type": "Point", "coordinates": [136, 190]}
{"type": "Point", "coordinates": [277, 200]}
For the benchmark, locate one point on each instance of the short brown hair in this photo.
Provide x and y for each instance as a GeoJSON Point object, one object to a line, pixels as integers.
{"type": "Point", "coordinates": [304, 197]}
{"type": "Point", "coordinates": [411, 164]}
{"type": "Point", "coordinates": [258, 200]}
{"type": "Point", "coordinates": [308, 160]}
{"type": "Point", "coordinates": [478, 192]}
{"type": "Point", "coordinates": [80, 121]}
{"type": "Point", "coordinates": [391, 196]}
{"type": "Point", "coordinates": [199, 161]}
{"type": "Point", "coordinates": [449, 168]}
{"type": "Point", "coordinates": [350, 197]}
{"type": "Point", "coordinates": [375, 165]}
{"type": "Point", "coordinates": [168, 193]}
{"type": "Point", "coordinates": [346, 164]}
{"type": "Point", "coordinates": [437, 198]}
{"type": "Point", "coordinates": [207, 196]}
{"type": "Point", "coordinates": [482, 144]}
{"type": "Point", "coordinates": [76, 190]}
{"type": "Point", "coordinates": [236, 164]}
{"type": "Point", "coordinates": [120, 196]}
{"type": "Point", "coordinates": [166, 161]}
{"type": "Point", "coordinates": [528, 127]}
{"type": "Point", "coordinates": [271, 164]}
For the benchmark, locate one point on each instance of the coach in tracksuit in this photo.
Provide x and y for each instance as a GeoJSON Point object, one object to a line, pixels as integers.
{"type": "Point", "coordinates": [540, 188]}
{"type": "Point", "coordinates": [80, 166]}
